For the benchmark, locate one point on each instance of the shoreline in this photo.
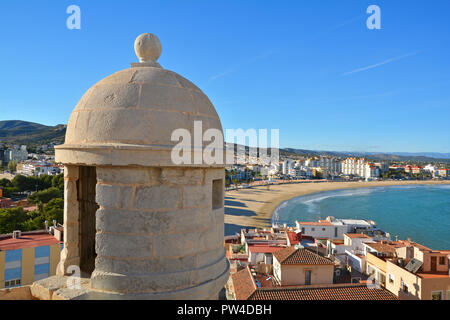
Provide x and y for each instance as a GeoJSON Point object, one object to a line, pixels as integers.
{"type": "Point", "coordinates": [254, 207]}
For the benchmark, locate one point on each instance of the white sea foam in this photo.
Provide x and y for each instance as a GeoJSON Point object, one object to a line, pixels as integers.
{"type": "Point", "coordinates": [332, 194]}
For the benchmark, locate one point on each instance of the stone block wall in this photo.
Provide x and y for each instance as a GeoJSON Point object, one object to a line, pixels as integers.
{"type": "Point", "coordinates": [157, 232]}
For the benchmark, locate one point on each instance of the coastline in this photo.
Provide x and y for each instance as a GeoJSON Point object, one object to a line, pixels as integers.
{"type": "Point", "coordinates": [254, 207]}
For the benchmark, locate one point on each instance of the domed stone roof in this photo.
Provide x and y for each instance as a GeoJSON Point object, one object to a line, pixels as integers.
{"type": "Point", "coordinates": [135, 109]}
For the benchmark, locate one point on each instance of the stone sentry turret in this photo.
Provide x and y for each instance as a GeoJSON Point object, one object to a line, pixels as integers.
{"type": "Point", "coordinates": [136, 224]}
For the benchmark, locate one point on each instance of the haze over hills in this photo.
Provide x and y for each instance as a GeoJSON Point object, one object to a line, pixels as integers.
{"type": "Point", "coordinates": [401, 156]}
{"type": "Point", "coordinates": [30, 133]}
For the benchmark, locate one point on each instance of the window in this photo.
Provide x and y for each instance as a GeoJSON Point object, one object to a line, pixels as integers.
{"type": "Point", "coordinates": [436, 295]}
{"type": "Point", "coordinates": [391, 279]}
{"type": "Point", "coordinates": [442, 261]}
{"type": "Point", "coordinates": [12, 283]}
{"type": "Point", "coordinates": [307, 277]}
{"type": "Point", "coordinates": [335, 231]}
{"type": "Point", "coordinates": [217, 194]}
{"type": "Point", "coordinates": [303, 230]}
{"type": "Point", "coordinates": [404, 287]}
{"type": "Point", "coordinates": [323, 229]}
{"type": "Point", "coordinates": [382, 279]}
{"type": "Point", "coordinates": [448, 294]}
{"type": "Point", "coordinates": [313, 229]}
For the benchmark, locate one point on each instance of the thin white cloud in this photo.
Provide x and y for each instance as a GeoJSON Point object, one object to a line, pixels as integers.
{"type": "Point", "coordinates": [381, 63]}
{"type": "Point", "coordinates": [220, 75]}
{"type": "Point", "coordinates": [261, 56]}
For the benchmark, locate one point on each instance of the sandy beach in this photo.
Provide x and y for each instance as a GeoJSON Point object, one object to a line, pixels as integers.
{"type": "Point", "coordinates": [253, 207]}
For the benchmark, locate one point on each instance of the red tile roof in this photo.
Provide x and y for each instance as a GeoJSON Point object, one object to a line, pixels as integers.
{"type": "Point", "coordinates": [27, 241]}
{"type": "Point", "coordinates": [243, 283]}
{"type": "Point", "coordinates": [255, 248]}
{"type": "Point", "coordinates": [293, 239]}
{"type": "Point", "coordinates": [356, 235]}
{"type": "Point", "coordinates": [293, 256]}
{"type": "Point", "coordinates": [318, 223]}
{"type": "Point", "coordinates": [323, 292]}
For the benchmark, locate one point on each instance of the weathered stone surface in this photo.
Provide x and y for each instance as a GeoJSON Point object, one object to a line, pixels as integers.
{"type": "Point", "coordinates": [210, 256]}
{"type": "Point", "coordinates": [140, 222]}
{"type": "Point", "coordinates": [197, 196]}
{"type": "Point", "coordinates": [157, 197]}
{"type": "Point", "coordinates": [123, 246]}
{"type": "Point", "coordinates": [18, 293]}
{"type": "Point", "coordinates": [162, 135]}
{"type": "Point", "coordinates": [113, 196]}
{"type": "Point", "coordinates": [113, 95]}
{"type": "Point", "coordinates": [128, 283]}
{"type": "Point", "coordinates": [145, 266]}
{"type": "Point", "coordinates": [159, 228]}
{"type": "Point", "coordinates": [181, 176]}
{"type": "Point", "coordinates": [159, 77]}
{"type": "Point", "coordinates": [175, 245]}
{"type": "Point", "coordinates": [185, 83]}
{"type": "Point", "coordinates": [43, 289]}
{"type": "Point", "coordinates": [166, 98]}
{"type": "Point", "coordinates": [125, 126]}
{"type": "Point", "coordinates": [126, 175]}
{"type": "Point", "coordinates": [189, 220]}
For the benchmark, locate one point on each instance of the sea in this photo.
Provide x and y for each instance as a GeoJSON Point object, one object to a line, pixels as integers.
{"type": "Point", "coordinates": [420, 213]}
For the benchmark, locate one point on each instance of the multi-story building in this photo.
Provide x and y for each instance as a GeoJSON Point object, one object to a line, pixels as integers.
{"type": "Point", "coordinates": [443, 173]}
{"type": "Point", "coordinates": [28, 257]}
{"type": "Point", "coordinates": [333, 228]}
{"type": "Point", "coordinates": [38, 168]}
{"type": "Point", "coordinates": [300, 266]}
{"type": "Point", "coordinates": [360, 167]}
{"type": "Point", "coordinates": [16, 154]}
{"type": "Point", "coordinates": [288, 167]}
{"type": "Point", "coordinates": [409, 270]}
{"type": "Point", "coordinates": [243, 286]}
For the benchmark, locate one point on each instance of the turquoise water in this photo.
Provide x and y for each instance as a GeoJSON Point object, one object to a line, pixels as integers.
{"type": "Point", "coordinates": [420, 212]}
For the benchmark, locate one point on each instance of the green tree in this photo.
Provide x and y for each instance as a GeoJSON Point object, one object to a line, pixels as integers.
{"type": "Point", "coordinates": [58, 182]}
{"type": "Point", "coordinates": [54, 210]}
{"type": "Point", "coordinates": [45, 196]}
{"type": "Point", "coordinates": [12, 166]}
{"type": "Point", "coordinates": [12, 219]}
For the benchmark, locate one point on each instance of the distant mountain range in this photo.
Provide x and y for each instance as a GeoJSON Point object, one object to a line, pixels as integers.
{"type": "Point", "coordinates": [380, 156]}
{"type": "Point", "coordinates": [30, 133]}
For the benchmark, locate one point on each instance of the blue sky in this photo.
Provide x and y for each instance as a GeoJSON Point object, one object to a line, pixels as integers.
{"type": "Point", "coordinates": [309, 68]}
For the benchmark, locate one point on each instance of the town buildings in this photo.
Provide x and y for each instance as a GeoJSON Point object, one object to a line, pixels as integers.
{"type": "Point", "coordinates": [332, 228]}
{"type": "Point", "coordinates": [38, 168]}
{"type": "Point", "coordinates": [299, 266]}
{"type": "Point", "coordinates": [360, 167]}
{"type": "Point", "coordinates": [336, 256]}
{"type": "Point", "coordinates": [16, 154]}
{"type": "Point", "coordinates": [26, 257]}
{"type": "Point", "coordinates": [409, 270]}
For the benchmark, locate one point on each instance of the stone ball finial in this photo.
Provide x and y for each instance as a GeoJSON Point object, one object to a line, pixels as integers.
{"type": "Point", "coordinates": [147, 47]}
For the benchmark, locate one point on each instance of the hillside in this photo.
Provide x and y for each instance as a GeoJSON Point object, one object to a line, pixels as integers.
{"type": "Point", "coordinates": [30, 133]}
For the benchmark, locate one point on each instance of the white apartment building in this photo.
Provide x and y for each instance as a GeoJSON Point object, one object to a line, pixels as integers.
{"type": "Point", "coordinates": [303, 172]}
{"type": "Point", "coordinates": [431, 169]}
{"type": "Point", "coordinates": [288, 167]}
{"type": "Point", "coordinates": [333, 228]}
{"type": "Point", "coordinates": [37, 168]}
{"type": "Point", "coordinates": [329, 164]}
{"type": "Point", "coordinates": [443, 173]}
{"type": "Point", "coordinates": [359, 167]}
{"type": "Point", "coordinates": [16, 154]}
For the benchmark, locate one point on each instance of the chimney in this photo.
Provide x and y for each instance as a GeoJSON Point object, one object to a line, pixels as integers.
{"type": "Point", "coordinates": [16, 234]}
{"type": "Point", "coordinates": [46, 225]}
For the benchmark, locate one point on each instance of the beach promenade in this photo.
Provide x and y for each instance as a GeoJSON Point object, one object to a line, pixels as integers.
{"type": "Point", "coordinates": [253, 207]}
